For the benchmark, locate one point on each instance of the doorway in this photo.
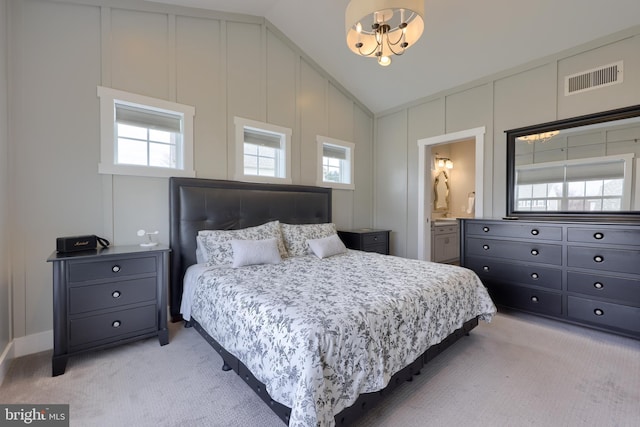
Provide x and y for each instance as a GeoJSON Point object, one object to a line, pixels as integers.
{"type": "Point", "coordinates": [426, 147]}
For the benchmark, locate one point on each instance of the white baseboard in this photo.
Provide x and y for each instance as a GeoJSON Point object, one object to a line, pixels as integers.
{"type": "Point", "coordinates": [5, 360]}
{"type": "Point", "coordinates": [34, 343]}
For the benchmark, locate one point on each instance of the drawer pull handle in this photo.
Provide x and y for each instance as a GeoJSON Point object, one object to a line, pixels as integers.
{"type": "Point", "coordinates": [485, 268]}
{"type": "Point", "coordinates": [598, 312]}
{"type": "Point", "coordinates": [115, 268]}
{"type": "Point", "coordinates": [116, 294]}
{"type": "Point", "coordinates": [375, 238]}
{"type": "Point", "coordinates": [485, 247]}
{"type": "Point", "coordinates": [534, 252]}
{"type": "Point", "coordinates": [534, 276]}
{"type": "Point", "coordinates": [116, 324]}
{"type": "Point", "coordinates": [598, 285]}
{"type": "Point", "coordinates": [534, 298]}
{"type": "Point", "coordinates": [485, 229]}
{"type": "Point", "coordinates": [598, 236]}
{"type": "Point", "coordinates": [598, 258]}
{"type": "Point", "coordinates": [535, 232]}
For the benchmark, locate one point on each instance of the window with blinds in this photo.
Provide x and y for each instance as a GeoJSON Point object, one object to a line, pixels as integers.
{"type": "Point", "coordinates": [336, 163]}
{"type": "Point", "coordinates": [145, 136]}
{"type": "Point", "coordinates": [594, 185]}
{"type": "Point", "coordinates": [262, 151]}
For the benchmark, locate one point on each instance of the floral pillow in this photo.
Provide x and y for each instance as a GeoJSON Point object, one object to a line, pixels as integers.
{"type": "Point", "coordinates": [214, 246]}
{"type": "Point", "coordinates": [296, 236]}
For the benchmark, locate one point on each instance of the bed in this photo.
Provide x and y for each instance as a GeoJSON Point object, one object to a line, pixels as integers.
{"type": "Point", "coordinates": [320, 340]}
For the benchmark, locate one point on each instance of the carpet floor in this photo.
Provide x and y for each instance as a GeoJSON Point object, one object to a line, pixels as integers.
{"type": "Point", "coordinates": [518, 370]}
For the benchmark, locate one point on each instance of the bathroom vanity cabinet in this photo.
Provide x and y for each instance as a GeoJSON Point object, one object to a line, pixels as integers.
{"type": "Point", "coordinates": [445, 241]}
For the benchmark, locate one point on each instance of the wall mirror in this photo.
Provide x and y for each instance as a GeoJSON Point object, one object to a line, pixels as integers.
{"type": "Point", "coordinates": [441, 191]}
{"type": "Point", "coordinates": [584, 167]}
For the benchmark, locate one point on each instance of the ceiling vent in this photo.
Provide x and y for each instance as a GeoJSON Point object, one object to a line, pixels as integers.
{"type": "Point", "coordinates": [595, 78]}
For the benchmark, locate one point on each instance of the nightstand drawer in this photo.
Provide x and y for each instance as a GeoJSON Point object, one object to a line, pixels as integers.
{"type": "Point", "coordinates": [111, 269]}
{"type": "Point", "coordinates": [604, 313]}
{"type": "Point", "coordinates": [112, 294]}
{"type": "Point", "coordinates": [374, 239]}
{"type": "Point", "coordinates": [366, 239]}
{"type": "Point", "coordinates": [381, 248]}
{"type": "Point", "coordinates": [85, 330]}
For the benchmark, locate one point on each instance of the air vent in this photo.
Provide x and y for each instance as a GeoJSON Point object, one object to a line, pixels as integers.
{"type": "Point", "coordinates": [596, 78]}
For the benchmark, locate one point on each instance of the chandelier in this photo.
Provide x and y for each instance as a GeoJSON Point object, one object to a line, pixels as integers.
{"type": "Point", "coordinates": [382, 28]}
{"type": "Point", "coordinates": [538, 137]}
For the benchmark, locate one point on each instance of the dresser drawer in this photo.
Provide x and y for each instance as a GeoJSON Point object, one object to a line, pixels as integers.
{"type": "Point", "coordinates": [604, 313]}
{"type": "Point", "coordinates": [522, 251]}
{"type": "Point", "coordinates": [606, 259]}
{"type": "Point", "coordinates": [619, 288]}
{"type": "Point", "coordinates": [525, 298]}
{"type": "Point", "coordinates": [613, 236]}
{"type": "Point", "coordinates": [516, 230]}
{"type": "Point", "coordinates": [112, 325]}
{"type": "Point", "coordinates": [110, 295]}
{"type": "Point", "coordinates": [546, 277]}
{"type": "Point", "coordinates": [111, 269]}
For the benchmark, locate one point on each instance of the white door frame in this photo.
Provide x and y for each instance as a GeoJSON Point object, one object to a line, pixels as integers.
{"type": "Point", "coordinates": [424, 197]}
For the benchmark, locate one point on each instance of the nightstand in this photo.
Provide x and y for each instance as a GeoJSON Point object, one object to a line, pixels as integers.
{"type": "Point", "coordinates": [366, 239]}
{"type": "Point", "coordinates": [107, 297]}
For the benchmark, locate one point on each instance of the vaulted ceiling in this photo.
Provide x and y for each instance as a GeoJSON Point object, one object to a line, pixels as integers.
{"type": "Point", "coordinates": [464, 40]}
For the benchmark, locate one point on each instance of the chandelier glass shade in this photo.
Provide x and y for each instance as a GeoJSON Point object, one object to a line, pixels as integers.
{"type": "Point", "coordinates": [383, 28]}
{"type": "Point", "coordinates": [538, 137]}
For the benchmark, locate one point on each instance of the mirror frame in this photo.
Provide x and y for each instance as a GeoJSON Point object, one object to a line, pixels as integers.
{"type": "Point", "coordinates": [589, 119]}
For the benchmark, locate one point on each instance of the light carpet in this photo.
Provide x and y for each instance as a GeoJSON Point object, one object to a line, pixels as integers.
{"type": "Point", "coordinates": [519, 370]}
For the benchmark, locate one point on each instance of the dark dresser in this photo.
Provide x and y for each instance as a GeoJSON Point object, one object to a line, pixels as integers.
{"type": "Point", "coordinates": [586, 273]}
{"type": "Point", "coordinates": [366, 239]}
{"type": "Point", "coordinates": [107, 297]}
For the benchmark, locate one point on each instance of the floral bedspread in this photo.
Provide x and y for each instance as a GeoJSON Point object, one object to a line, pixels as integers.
{"type": "Point", "coordinates": [319, 332]}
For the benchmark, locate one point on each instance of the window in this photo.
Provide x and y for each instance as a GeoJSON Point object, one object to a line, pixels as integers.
{"type": "Point", "coordinates": [336, 163]}
{"type": "Point", "coordinates": [144, 136]}
{"type": "Point", "coordinates": [593, 185]}
{"type": "Point", "coordinates": [262, 152]}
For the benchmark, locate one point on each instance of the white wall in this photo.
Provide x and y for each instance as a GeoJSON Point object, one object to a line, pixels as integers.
{"type": "Point", "coordinates": [5, 311]}
{"type": "Point", "coordinates": [224, 65]}
{"type": "Point", "coordinates": [531, 94]}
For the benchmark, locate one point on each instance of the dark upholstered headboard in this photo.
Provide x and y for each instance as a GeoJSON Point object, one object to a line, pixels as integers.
{"type": "Point", "coordinates": [206, 204]}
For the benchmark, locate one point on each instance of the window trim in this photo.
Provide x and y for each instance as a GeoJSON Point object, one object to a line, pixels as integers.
{"type": "Point", "coordinates": [240, 124]}
{"type": "Point", "coordinates": [108, 98]}
{"type": "Point", "coordinates": [350, 147]}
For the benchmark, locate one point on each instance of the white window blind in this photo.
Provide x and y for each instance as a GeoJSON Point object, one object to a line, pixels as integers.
{"type": "Point", "coordinates": [136, 116]}
{"type": "Point", "coordinates": [334, 152]}
{"type": "Point", "coordinates": [263, 139]}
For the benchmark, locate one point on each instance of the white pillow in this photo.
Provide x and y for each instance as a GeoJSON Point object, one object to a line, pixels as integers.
{"type": "Point", "coordinates": [296, 236]}
{"type": "Point", "coordinates": [327, 246]}
{"type": "Point", "coordinates": [251, 252]}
